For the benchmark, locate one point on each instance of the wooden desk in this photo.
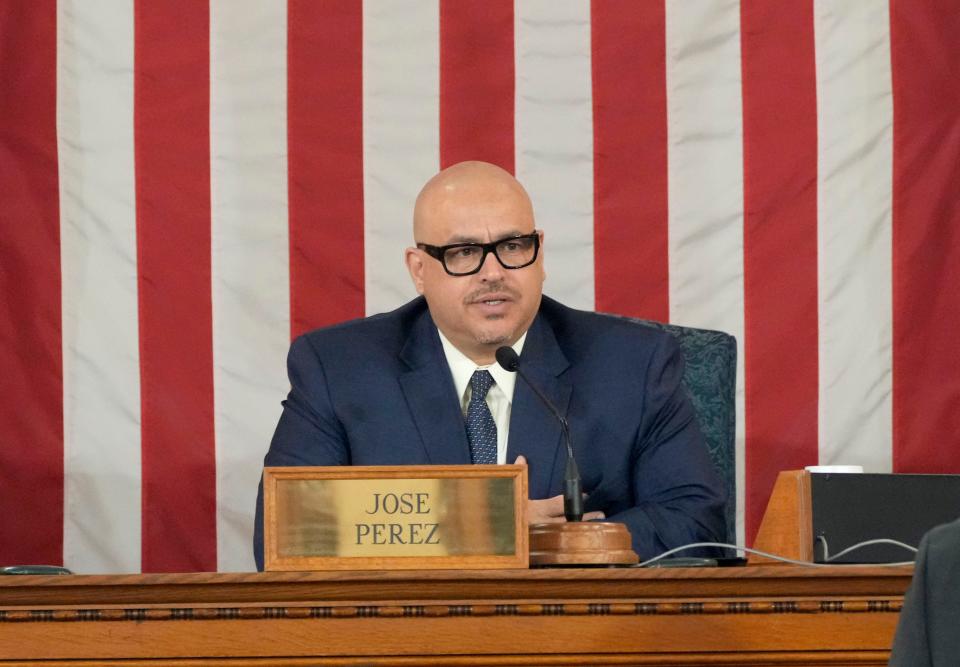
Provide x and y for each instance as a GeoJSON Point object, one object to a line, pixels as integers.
{"type": "Point", "coordinates": [763, 615]}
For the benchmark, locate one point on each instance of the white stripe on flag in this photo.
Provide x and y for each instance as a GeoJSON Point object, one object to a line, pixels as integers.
{"type": "Point", "coordinates": [401, 137]}
{"type": "Point", "coordinates": [249, 246]}
{"type": "Point", "coordinates": [854, 186]}
{"type": "Point", "coordinates": [554, 139]}
{"type": "Point", "coordinates": [101, 360]}
{"type": "Point", "coordinates": [705, 178]}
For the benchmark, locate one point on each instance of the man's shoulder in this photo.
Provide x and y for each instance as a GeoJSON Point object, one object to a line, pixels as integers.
{"type": "Point", "coordinates": [945, 540]}
{"type": "Point", "coordinates": [588, 328]}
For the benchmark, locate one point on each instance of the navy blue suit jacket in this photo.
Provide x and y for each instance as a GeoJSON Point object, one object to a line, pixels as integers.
{"type": "Point", "coordinates": [378, 391]}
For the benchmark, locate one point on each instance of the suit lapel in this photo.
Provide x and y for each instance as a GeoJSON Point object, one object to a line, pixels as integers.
{"type": "Point", "coordinates": [534, 431]}
{"type": "Point", "coordinates": [431, 396]}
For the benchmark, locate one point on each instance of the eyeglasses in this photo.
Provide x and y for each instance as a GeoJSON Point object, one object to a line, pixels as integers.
{"type": "Point", "coordinates": [464, 259]}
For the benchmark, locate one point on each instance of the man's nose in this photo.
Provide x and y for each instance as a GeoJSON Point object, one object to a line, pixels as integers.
{"type": "Point", "coordinates": [491, 268]}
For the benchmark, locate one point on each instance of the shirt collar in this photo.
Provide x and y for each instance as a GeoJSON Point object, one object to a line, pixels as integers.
{"type": "Point", "coordinates": [462, 368]}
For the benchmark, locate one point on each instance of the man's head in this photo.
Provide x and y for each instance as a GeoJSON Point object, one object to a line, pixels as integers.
{"type": "Point", "coordinates": [476, 202]}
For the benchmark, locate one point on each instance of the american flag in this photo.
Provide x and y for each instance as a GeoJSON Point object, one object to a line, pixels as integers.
{"type": "Point", "coordinates": [185, 185]}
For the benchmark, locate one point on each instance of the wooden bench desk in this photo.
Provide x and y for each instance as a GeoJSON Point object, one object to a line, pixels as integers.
{"type": "Point", "coordinates": [758, 615]}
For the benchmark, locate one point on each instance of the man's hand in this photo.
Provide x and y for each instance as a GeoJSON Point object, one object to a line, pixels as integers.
{"type": "Point", "coordinates": [550, 510]}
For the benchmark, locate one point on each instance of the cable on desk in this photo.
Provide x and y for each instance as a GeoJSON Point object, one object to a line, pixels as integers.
{"type": "Point", "coordinates": [784, 559]}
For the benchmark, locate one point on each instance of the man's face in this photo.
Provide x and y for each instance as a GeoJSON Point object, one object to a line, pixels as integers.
{"type": "Point", "coordinates": [493, 307]}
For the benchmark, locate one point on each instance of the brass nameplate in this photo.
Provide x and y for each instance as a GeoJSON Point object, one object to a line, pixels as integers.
{"type": "Point", "coordinates": [395, 517]}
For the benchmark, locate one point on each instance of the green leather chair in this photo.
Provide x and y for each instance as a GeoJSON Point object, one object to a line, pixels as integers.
{"type": "Point", "coordinates": [711, 379]}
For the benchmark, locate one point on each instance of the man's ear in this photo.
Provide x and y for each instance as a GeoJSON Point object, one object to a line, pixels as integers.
{"type": "Point", "coordinates": [414, 261]}
{"type": "Point", "coordinates": [543, 264]}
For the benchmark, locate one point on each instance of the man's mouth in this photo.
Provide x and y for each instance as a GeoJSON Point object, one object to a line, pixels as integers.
{"type": "Point", "coordinates": [497, 296]}
{"type": "Point", "coordinates": [490, 299]}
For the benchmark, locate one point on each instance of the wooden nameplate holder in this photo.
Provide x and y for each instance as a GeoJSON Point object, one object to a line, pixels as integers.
{"type": "Point", "coordinates": [395, 517]}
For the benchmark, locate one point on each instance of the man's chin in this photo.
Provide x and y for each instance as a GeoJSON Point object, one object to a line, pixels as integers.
{"type": "Point", "coordinates": [494, 338]}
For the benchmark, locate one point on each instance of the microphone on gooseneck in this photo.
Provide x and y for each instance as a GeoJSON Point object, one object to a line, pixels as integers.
{"type": "Point", "coordinates": [509, 360]}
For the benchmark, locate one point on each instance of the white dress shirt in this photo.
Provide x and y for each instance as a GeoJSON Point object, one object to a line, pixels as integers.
{"type": "Point", "coordinates": [500, 396]}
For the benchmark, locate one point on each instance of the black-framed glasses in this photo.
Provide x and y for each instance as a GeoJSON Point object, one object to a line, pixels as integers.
{"type": "Point", "coordinates": [464, 259]}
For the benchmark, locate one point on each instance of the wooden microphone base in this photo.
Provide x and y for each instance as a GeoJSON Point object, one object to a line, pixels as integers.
{"type": "Point", "coordinates": [581, 543]}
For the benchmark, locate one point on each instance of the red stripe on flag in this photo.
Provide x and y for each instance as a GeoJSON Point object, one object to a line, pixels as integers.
{"type": "Point", "coordinates": [926, 235]}
{"type": "Point", "coordinates": [476, 82]}
{"type": "Point", "coordinates": [172, 151]}
{"type": "Point", "coordinates": [325, 164]}
{"type": "Point", "coordinates": [780, 244]}
{"type": "Point", "coordinates": [630, 158]}
{"type": "Point", "coordinates": [31, 360]}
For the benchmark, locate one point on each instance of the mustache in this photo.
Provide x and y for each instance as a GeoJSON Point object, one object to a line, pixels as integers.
{"type": "Point", "coordinates": [498, 289]}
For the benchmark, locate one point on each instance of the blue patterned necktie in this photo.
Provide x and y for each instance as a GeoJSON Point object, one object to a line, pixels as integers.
{"type": "Point", "coordinates": [481, 429]}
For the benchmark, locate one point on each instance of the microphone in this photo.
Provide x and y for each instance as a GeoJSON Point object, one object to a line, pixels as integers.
{"type": "Point", "coordinates": [509, 360]}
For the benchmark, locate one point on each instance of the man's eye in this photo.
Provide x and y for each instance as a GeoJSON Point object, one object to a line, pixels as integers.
{"type": "Point", "coordinates": [467, 251]}
{"type": "Point", "coordinates": [510, 246]}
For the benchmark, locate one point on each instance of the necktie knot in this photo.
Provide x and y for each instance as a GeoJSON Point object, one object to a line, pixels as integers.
{"type": "Point", "coordinates": [480, 383]}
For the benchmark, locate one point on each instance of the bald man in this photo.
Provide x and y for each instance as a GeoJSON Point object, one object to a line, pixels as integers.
{"type": "Point", "coordinates": [420, 385]}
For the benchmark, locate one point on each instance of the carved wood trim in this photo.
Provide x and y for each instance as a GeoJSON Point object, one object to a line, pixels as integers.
{"type": "Point", "coordinates": [802, 606]}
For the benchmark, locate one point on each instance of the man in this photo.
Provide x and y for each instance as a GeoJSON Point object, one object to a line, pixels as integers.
{"type": "Point", "coordinates": [927, 631]}
{"type": "Point", "coordinates": [420, 385]}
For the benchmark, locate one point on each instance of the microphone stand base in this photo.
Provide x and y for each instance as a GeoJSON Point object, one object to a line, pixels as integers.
{"type": "Point", "coordinates": [581, 543]}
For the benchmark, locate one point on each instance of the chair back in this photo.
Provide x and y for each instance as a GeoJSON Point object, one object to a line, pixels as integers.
{"type": "Point", "coordinates": [711, 380]}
